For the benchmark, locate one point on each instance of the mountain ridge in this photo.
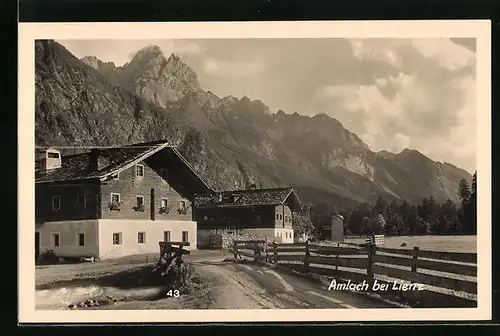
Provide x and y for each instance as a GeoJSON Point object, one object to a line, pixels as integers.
{"type": "Point", "coordinates": [231, 142]}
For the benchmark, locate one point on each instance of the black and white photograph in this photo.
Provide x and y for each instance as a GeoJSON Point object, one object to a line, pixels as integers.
{"type": "Point", "coordinates": [257, 174]}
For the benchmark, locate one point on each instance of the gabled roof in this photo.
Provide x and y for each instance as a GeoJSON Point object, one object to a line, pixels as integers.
{"type": "Point", "coordinates": [245, 198]}
{"type": "Point", "coordinates": [76, 167]}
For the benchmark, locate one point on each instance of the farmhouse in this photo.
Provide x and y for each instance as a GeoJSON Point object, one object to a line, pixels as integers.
{"type": "Point", "coordinates": [266, 212]}
{"type": "Point", "coordinates": [111, 202]}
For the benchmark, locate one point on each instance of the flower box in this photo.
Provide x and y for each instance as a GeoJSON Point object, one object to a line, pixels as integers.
{"type": "Point", "coordinates": [115, 206]}
{"type": "Point", "coordinates": [139, 208]}
{"type": "Point", "coordinates": [164, 210]}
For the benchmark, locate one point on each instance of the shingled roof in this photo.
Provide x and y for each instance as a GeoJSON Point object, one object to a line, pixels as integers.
{"type": "Point", "coordinates": [245, 198]}
{"type": "Point", "coordinates": [76, 167]}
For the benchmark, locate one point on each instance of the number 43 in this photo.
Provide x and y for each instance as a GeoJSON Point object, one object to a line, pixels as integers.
{"type": "Point", "coordinates": [174, 293]}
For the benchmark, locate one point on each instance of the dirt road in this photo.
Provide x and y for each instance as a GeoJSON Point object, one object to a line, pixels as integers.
{"type": "Point", "coordinates": [251, 285]}
{"type": "Point", "coordinates": [227, 285]}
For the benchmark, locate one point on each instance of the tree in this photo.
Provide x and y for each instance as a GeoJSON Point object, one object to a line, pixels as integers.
{"type": "Point", "coordinates": [448, 218]}
{"type": "Point", "coordinates": [428, 210]}
{"type": "Point", "coordinates": [423, 227]}
{"type": "Point", "coordinates": [464, 191]}
{"type": "Point", "coordinates": [468, 210]}
{"type": "Point", "coordinates": [356, 222]}
{"type": "Point", "coordinates": [380, 206]}
{"type": "Point", "coordinates": [378, 224]}
{"type": "Point", "coordinates": [301, 220]}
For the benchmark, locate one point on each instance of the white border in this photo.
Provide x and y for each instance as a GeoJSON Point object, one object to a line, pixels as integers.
{"type": "Point", "coordinates": [28, 32]}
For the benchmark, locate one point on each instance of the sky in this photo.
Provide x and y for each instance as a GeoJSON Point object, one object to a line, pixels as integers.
{"type": "Point", "coordinates": [393, 93]}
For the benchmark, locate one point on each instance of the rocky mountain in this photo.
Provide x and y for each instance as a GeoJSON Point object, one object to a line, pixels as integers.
{"type": "Point", "coordinates": [150, 75]}
{"type": "Point", "coordinates": [230, 141]}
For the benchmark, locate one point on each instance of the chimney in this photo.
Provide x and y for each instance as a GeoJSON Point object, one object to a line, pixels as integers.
{"type": "Point", "coordinates": [97, 160]}
{"type": "Point", "coordinates": [50, 159]}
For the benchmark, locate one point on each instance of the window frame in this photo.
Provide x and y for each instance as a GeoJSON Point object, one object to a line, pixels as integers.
{"type": "Point", "coordinates": [137, 197]}
{"type": "Point", "coordinates": [54, 235]}
{"type": "Point", "coordinates": [111, 197]}
{"type": "Point", "coordinates": [137, 170]}
{"type": "Point", "coordinates": [58, 197]}
{"type": "Point", "coordinates": [78, 235]}
{"type": "Point", "coordinates": [169, 236]}
{"type": "Point", "coordinates": [143, 237]}
{"type": "Point", "coordinates": [120, 238]}
{"type": "Point", "coordinates": [187, 236]}
{"type": "Point", "coordinates": [84, 199]}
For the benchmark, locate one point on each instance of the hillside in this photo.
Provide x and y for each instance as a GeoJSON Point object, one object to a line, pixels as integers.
{"type": "Point", "coordinates": [230, 141]}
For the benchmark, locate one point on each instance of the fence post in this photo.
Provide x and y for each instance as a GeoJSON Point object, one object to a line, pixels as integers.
{"type": "Point", "coordinates": [265, 249]}
{"type": "Point", "coordinates": [255, 250]}
{"type": "Point", "coordinates": [235, 249]}
{"type": "Point", "coordinates": [337, 256]}
{"type": "Point", "coordinates": [415, 259]}
{"type": "Point", "coordinates": [371, 255]}
{"type": "Point", "coordinates": [275, 252]}
{"type": "Point", "coordinates": [306, 257]}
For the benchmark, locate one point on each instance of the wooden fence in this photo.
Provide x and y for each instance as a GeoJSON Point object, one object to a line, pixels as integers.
{"type": "Point", "coordinates": [357, 262]}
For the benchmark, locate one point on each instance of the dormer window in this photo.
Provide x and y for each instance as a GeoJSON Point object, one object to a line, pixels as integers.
{"type": "Point", "coordinates": [139, 170]}
{"type": "Point", "coordinates": [50, 159]}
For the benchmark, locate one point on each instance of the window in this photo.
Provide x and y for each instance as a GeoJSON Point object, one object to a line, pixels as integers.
{"type": "Point", "coordinates": [166, 236]}
{"type": "Point", "coordinates": [139, 170]}
{"type": "Point", "coordinates": [56, 203]}
{"type": "Point", "coordinates": [81, 200]}
{"type": "Point", "coordinates": [205, 218]}
{"type": "Point", "coordinates": [164, 202]}
{"type": "Point", "coordinates": [56, 239]}
{"type": "Point", "coordinates": [185, 237]}
{"type": "Point", "coordinates": [182, 205]}
{"type": "Point", "coordinates": [141, 237]}
{"type": "Point", "coordinates": [277, 216]}
{"type": "Point", "coordinates": [81, 239]}
{"type": "Point", "coordinates": [115, 198]}
{"type": "Point", "coordinates": [281, 216]}
{"type": "Point", "coordinates": [53, 155]}
{"type": "Point", "coordinates": [139, 202]}
{"type": "Point", "coordinates": [117, 238]}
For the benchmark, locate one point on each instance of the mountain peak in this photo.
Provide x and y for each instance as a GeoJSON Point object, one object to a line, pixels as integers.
{"type": "Point", "coordinates": [150, 51]}
{"type": "Point", "coordinates": [91, 61]}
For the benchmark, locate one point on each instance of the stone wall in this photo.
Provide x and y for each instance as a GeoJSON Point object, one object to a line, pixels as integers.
{"type": "Point", "coordinates": [228, 238]}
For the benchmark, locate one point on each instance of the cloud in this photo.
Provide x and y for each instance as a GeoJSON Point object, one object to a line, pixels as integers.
{"type": "Point", "coordinates": [439, 121]}
{"type": "Point", "coordinates": [234, 69]}
{"type": "Point", "coordinates": [393, 92]}
{"type": "Point", "coordinates": [446, 53]}
{"type": "Point", "coordinates": [376, 49]}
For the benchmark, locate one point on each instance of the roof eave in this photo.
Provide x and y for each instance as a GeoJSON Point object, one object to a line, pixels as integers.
{"type": "Point", "coordinates": [134, 161]}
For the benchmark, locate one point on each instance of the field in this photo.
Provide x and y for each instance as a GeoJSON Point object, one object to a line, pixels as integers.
{"type": "Point", "coordinates": [466, 244]}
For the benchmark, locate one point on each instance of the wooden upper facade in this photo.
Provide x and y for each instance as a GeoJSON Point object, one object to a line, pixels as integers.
{"type": "Point", "coordinates": [150, 181]}
{"type": "Point", "coordinates": [253, 208]}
